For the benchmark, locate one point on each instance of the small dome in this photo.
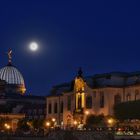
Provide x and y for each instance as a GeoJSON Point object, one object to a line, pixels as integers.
{"type": "Point", "coordinates": [12, 76]}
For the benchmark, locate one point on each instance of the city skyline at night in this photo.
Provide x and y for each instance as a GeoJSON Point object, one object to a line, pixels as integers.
{"type": "Point", "coordinates": [100, 37]}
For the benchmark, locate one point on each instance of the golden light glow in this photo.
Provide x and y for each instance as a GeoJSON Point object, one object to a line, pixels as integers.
{"type": "Point", "coordinates": [110, 121]}
{"type": "Point", "coordinates": [82, 99]}
{"type": "Point", "coordinates": [7, 126]}
{"type": "Point", "coordinates": [53, 119]}
{"type": "Point", "coordinates": [47, 124]}
{"type": "Point", "coordinates": [22, 90]}
{"type": "Point", "coordinates": [87, 112]}
{"type": "Point", "coordinates": [29, 124]}
{"type": "Point", "coordinates": [75, 122]}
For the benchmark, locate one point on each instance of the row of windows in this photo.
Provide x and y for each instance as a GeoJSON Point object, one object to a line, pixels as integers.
{"type": "Point", "coordinates": [55, 109]}
{"type": "Point", "coordinates": [129, 98]}
{"type": "Point", "coordinates": [89, 101]}
{"type": "Point", "coordinates": [117, 99]}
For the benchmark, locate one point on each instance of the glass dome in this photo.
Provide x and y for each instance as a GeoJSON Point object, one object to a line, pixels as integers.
{"type": "Point", "coordinates": [12, 76]}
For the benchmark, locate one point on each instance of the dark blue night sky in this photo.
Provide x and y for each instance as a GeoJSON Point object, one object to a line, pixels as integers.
{"type": "Point", "coordinates": [99, 36]}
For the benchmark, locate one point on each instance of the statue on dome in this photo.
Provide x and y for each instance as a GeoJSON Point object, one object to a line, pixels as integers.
{"type": "Point", "coordinates": [10, 56]}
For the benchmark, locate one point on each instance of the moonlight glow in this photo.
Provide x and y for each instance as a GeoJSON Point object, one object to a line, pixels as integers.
{"type": "Point", "coordinates": [33, 46]}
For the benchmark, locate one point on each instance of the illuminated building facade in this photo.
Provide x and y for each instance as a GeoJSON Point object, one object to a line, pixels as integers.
{"type": "Point", "coordinates": [72, 102]}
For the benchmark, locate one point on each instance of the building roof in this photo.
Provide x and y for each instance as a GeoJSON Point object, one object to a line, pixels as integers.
{"type": "Point", "coordinates": [112, 79]}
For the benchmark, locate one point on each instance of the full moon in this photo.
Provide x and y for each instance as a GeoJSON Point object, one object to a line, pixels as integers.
{"type": "Point", "coordinates": [33, 46]}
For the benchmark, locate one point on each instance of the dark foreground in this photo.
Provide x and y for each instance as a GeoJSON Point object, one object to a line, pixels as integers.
{"type": "Point", "coordinates": [64, 135]}
{"type": "Point", "coordinates": [71, 135]}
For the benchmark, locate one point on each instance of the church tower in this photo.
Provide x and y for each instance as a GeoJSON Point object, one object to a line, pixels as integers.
{"type": "Point", "coordinates": [79, 92]}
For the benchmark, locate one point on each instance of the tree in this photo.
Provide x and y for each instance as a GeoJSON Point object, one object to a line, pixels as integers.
{"type": "Point", "coordinates": [22, 125]}
{"type": "Point", "coordinates": [93, 120]}
{"type": "Point", "coordinates": [4, 121]}
{"type": "Point", "coordinates": [38, 123]}
{"type": "Point", "coordinates": [127, 110]}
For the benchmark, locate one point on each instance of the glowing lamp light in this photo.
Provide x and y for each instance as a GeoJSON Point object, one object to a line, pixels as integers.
{"type": "Point", "coordinates": [53, 119]}
{"type": "Point", "coordinates": [110, 121]}
{"type": "Point", "coordinates": [87, 112]}
{"type": "Point", "coordinates": [47, 124]}
{"type": "Point", "coordinates": [7, 126]}
{"type": "Point", "coordinates": [75, 122]}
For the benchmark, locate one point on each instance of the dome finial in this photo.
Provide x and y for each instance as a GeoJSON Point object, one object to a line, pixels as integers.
{"type": "Point", "coordinates": [9, 53]}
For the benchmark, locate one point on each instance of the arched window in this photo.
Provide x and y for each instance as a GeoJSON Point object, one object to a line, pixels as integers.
{"type": "Point", "coordinates": [136, 94]}
{"type": "Point", "coordinates": [50, 108]}
{"type": "Point", "coordinates": [117, 99]}
{"type": "Point", "coordinates": [89, 102]}
{"type": "Point", "coordinates": [55, 108]}
{"type": "Point", "coordinates": [102, 100]}
{"type": "Point", "coordinates": [128, 97]}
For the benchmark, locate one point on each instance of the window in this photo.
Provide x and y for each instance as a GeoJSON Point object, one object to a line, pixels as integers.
{"type": "Point", "coordinates": [117, 99]}
{"type": "Point", "coordinates": [136, 94]}
{"type": "Point", "coordinates": [61, 109]}
{"type": "Point", "coordinates": [128, 97]}
{"type": "Point", "coordinates": [69, 103]}
{"type": "Point", "coordinates": [102, 100]}
{"type": "Point", "coordinates": [50, 108]}
{"type": "Point", "coordinates": [89, 102]}
{"type": "Point", "coordinates": [55, 108]}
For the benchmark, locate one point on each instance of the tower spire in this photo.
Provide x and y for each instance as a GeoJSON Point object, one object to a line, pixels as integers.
{"type": "Point", "coordinates": [80, 72]}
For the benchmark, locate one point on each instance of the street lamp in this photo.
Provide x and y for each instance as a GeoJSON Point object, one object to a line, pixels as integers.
{"type": "Point", "coordinates": [75, 123]}
{"type": "Point", "coordinates": [87, 112]}
{"type": "Point", "coordinates": [53, 119]}
{"type": "Point", "coordinates": [48, 124]}
{"type": "Point", "coordinates": [7, 126]}
{"type": "Point", "coordinates": [110, 121]}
